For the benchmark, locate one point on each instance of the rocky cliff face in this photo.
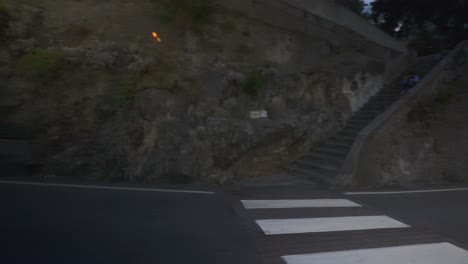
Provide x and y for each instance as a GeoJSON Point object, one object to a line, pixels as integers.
{"type": "Point", "coordinates": [107, 100]}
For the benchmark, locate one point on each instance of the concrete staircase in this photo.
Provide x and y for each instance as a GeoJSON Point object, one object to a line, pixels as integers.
{"type": "Point", "coordinates": [324, 162]}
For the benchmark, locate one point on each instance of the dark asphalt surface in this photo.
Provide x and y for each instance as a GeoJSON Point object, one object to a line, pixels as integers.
{"type": "Point", "coordinates": [66, 225]}
{"type": "Point", "coordinates": [445, 213]}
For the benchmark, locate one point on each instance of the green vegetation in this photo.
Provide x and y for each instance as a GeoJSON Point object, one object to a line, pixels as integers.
{"type": "Point", "coordinates": [78, 31]}
{"type": "Point", "coordinates": [39, 66]}
{"type": "Point", "coordinates": [193, 90]}
{"type": "Point", "coordinates": [356, 6]}
{"type": "Point", "coordinates": [3, 9]}
{"type": "Point", "coordinates": [4, 19]}
{"type": "Point", "coordinates": [127, 92]}
{"type": "Point", "coordinates": [438, 26]}
{"type": "Point", "coordinates": [163, 77]}
{"type": "Point", "coordinates": [419, 113]}
{"type": "Point", "coordinates": [229, 26]}
{"type": "Point", "coordinates": [445, 97]}
{"type": "Point", "coordinates": [254, 83]}
{"type": "Point", "coordinates": [423, 112]}
{"type": "Point", "coordinates": [203, 11]}
{"type": "Point", "coordinates": [185, 12]}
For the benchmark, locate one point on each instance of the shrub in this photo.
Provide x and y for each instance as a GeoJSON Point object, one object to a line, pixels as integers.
{"type": "Point", "coordinates": [40, 66]}
{"type": "Point", "coordinates": [186, 12]}
{"type": "Point", "coordinates": [446, 96]}
{"type": "Point", "coordinates": [254, 83]}
{"type": "Point", "coordinates": [3, 9]}
{"type": "Point", "coordinates": [164, 77]}
{"type": "Point", "coordinates": [202, 11]}
{"type": "Point", "coordinates": [193, 90]}
{"type": "Point", "coordinates": [421, 113]}
{"type": "Point", "coordinates": [79, 32]}
{"type": "Point", "coordinates": [229, 25]}
{"type": "Point", "coordinates": [4, 19]}
{"type": "Point", "coordinates": [127, 92]}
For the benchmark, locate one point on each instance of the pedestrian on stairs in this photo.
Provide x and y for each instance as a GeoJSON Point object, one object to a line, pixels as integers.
{"type": "Point", "coordinates": [410, 81]}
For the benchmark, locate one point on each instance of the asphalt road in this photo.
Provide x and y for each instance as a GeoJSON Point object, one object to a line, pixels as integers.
{"type": "Point", "coordinates": [445, 213]}
{"type": "Point", "coordinates": [40, 224]}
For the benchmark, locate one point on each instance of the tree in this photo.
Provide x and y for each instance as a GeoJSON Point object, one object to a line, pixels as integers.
{"type": "Point", "coordinates": [427, 22]}
{"type": "Point", "coordinates": [357, 6]}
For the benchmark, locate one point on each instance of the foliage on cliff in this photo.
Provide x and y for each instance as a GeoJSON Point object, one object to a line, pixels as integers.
{"type": "Point", "coordinates": [430, 25]}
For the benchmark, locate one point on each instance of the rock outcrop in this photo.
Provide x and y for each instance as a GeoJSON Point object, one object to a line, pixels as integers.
{"type": "Point", "coordinates": [123, 106]}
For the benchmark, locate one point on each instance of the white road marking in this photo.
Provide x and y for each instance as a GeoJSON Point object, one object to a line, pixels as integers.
{"type": "Point", "coordinates": [311, 203]}
{"type": "Point", "coordinates": [103, 187]}
{"type": "Point", "coordinates": [327, 224]}
{"type": "Point", "coordinates": [403, 192]}
{"type": "Point", "coordinates": [413, 254]}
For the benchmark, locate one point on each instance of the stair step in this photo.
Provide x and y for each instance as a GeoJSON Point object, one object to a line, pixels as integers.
{"type": "Point", "coordinates": [385, 99]}
{"type": "Point", "coordinates": [337, 146]}
{"type": "Point", "coordinates": [331, 162]}
{"type": "Point", "coordinates": [318, 165]}
{"type": "Point", "coordinates": [364, 120]}
{"type": "Point", "coordinates": [379, 111]}
{"type": "Point", "coordinates": [339, 153]}
{"type": "Point", "coordinates": [356, 124]}
{"type": "Point", "coordinates": [346, 136]}
{"type": "Point", "coordinates": [381, 104]}
{"type": "Point", "coordinates": [368, 117]}
{"type": "Point", "coordinates": [342, 140]}
{"type": "Point", "coordinates": [390, 93]}
{"type": "Point", "coordinates": [365, 114]}
{"type": "Point", "coordinates": [376, 114]}
{"type": "Point", "coordinates": [374, 109]}
{"type": "Point", "coordinates": [349, 132]}
{"type": "Point", "coordinates": [320, 178]}
{"type": "Point", "coordinates": [377, 106]}
{"type": "Point", "coordinates": [326, 157]}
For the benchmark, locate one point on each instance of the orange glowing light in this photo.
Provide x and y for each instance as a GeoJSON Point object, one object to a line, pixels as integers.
{"type": "Point", "coordinates": [156, 36]}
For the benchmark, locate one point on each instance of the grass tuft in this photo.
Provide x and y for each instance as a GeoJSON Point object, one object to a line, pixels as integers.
{"type": "Point", "coordinates": [40, 66]}
{"type": "Point", "coordinates": [4, 19]}
{"type": "Point", "coordinates": [254, 83]}
{"type": "Point", "coordinates": [185, 12]}
{"type": "Point", "coordinates": [163, 77]}
{"type": "Point", "coordinates": [127, 92]}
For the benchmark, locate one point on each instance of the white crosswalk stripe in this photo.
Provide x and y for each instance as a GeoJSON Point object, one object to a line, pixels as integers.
{"type": "Point", "coordinates": [413, 254]}
{"type": "Point", "coordinates": [327, 224]}
{"type": "Point", "coordinates": [298, 203]}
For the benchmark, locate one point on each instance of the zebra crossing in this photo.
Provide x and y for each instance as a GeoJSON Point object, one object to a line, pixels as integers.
{"type": "Point", "coordinates": [364, 237]}
{"type": "Point", "coordinates": [415, 254]}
